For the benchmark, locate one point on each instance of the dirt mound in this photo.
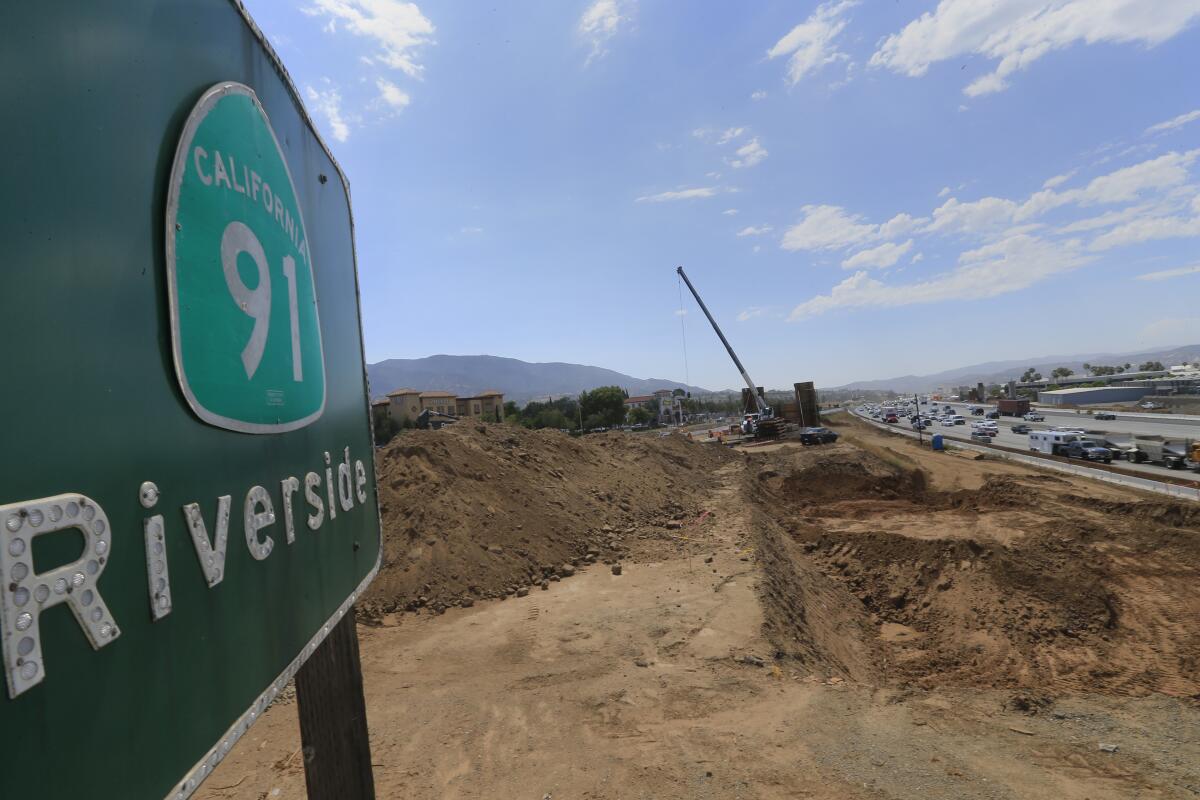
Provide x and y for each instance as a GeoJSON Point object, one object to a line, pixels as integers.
{"type": "Point", "coordinates": [478, 511]}
{"type": "Point", "coordinates": [1092, 596]}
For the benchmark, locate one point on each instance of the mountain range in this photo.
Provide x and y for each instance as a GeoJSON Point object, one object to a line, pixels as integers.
{"type": "Point", "coordinates": [1003, 371]}
{"type": "Point", "coordinates": [520, 381]}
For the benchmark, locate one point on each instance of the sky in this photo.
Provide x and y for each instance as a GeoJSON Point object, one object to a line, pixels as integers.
{"type": "Point", "coordinates": [857, 189]}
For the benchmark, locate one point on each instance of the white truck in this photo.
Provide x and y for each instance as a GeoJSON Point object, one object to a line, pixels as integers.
{"type": "Point", "coordinates": [1052, 442]}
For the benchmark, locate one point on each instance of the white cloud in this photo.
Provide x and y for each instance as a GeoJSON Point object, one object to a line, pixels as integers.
{"type": "Point", "coordinates": [1166, 274]}
{"type": "Point", "coordinates": [899, 225]}
{"type": "Point", "coordinates": [471, 230]}
{"type": "Point", "coordinates": [826, 227]}
{"type": "Point", "coordinates": [679, 194]}
{"type": "Point", "coordinates": [1171, 331]}
{"type": "Point", "coordinates": [680, 312]}
{"type": "Point", "coordinates": [328, 103]}
{"type": "Point", "coordinates": [1058, 180]}
{"type": "Point", "coordinates": [1016, 33]}
{"type": "Point", "coordinates": [750, 230]}
{"type": "Point", "coordinates": [978, 216]}
{"type": "Point", "coordinates": [1119, 186]}
{"type": "Point", "coordinates": [831, 227]}
{"type": "Point", "coordinates": [945, 191]}
{"type": "Point", "coordinates": [750, 313]}
{"type": "Point", "coordinates": [730, 212]}
{"type": "Point", "coordinates": [1176, 122]}
{"type": "Point", "coordinates": [761, 94]}
{"type": "Point", "coordinates": [811, 43]}
{"type": "Point", "coordinates": [994, 269]}
{"type": "Point", "coordinates": [1145, 230]}
{"type": "Point", "coordinates": [399, 29]}
{"type": "Point", "coordinates": [729, 134]}
{"type": "Point", "coordinates": [919, 257]}
{"type": "Point", "coordinates": [885, 255]}
{"type": "Point", "coordinates": [1106, 220]}
{"type": "Point", "coordinates": [749, 154]}
{"type": "Point", "coordinates": [601, 21]}
{"type": "Point", "coordinates": [392, 95]}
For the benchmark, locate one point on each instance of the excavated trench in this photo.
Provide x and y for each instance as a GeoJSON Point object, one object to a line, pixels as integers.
{"type": "Point", "coordinates": [873, 575]}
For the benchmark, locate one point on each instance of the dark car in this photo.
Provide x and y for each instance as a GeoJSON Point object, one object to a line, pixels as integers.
{"type": "Point", "coordinates": [1105, 415]}
{"type": "Point", "coordinates": [1088, 451]}
{"type": "Point", "coordinates": [1020, 428]}
{"type": "Point", "coordinates": [817, 436]}
{"type": "Point", "coordinates": [992, 415]}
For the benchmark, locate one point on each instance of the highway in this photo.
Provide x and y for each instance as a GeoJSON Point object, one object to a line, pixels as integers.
{"type": "Point", "coordinates": [1169, 425]}
{"type": "Point", "coordinates": [1117, 427]}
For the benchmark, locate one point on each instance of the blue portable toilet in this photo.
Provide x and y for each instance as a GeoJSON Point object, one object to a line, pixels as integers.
{"type": "Point", "coordinates": [936, 441]}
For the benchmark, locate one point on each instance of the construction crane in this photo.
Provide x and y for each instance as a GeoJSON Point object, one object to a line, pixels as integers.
{"type": "Point", "coordinates": [764, 411]}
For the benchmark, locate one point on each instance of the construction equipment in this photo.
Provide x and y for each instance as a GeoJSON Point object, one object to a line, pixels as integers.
{"type": "Point", "coordinates": [434, 419]}
{"type": "Point", "coordinates": [766, 425]}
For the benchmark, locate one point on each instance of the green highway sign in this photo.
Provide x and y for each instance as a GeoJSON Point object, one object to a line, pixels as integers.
{"type": "Point", "coordinates": [187, 494]}
{"type": "Point", "coordinates": [247, 340]}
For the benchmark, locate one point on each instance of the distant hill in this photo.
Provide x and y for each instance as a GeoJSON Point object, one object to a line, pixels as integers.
{"type": "Point", "coordinates": [520, 381]}
{"type": "Point", "coordinates": [1003, 371]}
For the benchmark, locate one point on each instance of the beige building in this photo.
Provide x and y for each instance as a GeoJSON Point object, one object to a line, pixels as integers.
{"type": "Point", "coordinates": [405, 404]}
{"type": "Point", "coordinates": [487, 405]}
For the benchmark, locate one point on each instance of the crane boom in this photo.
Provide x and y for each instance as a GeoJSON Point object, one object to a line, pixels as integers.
{"type": "Point", "coordinates": [763, 409]}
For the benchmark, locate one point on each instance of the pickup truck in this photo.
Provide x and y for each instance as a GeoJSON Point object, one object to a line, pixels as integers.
{"type": "Point", "coordinates": [1088, 451]}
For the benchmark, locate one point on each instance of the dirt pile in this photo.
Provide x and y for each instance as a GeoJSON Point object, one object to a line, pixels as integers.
{"type": "Point", "coordinates": [481, 511]}
{"type": "Point", "coordinates": [1018, 582]}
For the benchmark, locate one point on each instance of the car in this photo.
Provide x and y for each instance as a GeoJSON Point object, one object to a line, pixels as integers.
{"type": "Point", "coordinates": [1020, 428]}
{"type": "Point", "coordinates": [948, 422]}
{"type": "Point", "coordinates": [817, 436]}
{"type": "Point", "coordinates": [977, 412]}
{"type": "Point", "coordinates": [958, 419]}
{"type": "Point", "coordinates": [891, 418]}
{"type": "Point", "coordinates": [1149, 405]}
{"type": "Point", "coordinates": [1088, 451]}
{"type": "Point", "coordinates": [1033, 416]}
{"type": "Point", "coordinates": [981, 436]}
{"type": "Point", "coordinates": [1105, 415]}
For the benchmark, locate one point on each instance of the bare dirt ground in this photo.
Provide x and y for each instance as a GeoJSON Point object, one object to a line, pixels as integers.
{"type": "Point", "coordinates": [862, 620]}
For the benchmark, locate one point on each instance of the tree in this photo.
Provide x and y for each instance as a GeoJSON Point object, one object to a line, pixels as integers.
{"type": "Point", "coordinates": [1062, 372]}
{"type": "Point", "coordinates": [1151, 366]}
{"type": "Point", "coordinates": [604, 406]}
{"type": "Point", "coordinates": [1087, 367]}
{"type": "Point", "coordinates": [677, 393]}
{"type": "Point", "coordinates": [639, 416]}
{"type": "Point", "coordinates": [511, 410]}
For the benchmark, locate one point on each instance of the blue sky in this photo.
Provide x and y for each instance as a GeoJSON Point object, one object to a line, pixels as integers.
{"type": "Point", "coordinates": [858, 189]}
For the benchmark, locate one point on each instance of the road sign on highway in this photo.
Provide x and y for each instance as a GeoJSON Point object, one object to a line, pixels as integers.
{"type": "Point", "coordinates": [187, 497]}
{"type": "Point", "coordinates": [247, 339]}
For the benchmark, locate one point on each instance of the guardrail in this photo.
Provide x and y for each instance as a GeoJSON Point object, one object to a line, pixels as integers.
{"type": "Point", "coordinates": [1119, 479]}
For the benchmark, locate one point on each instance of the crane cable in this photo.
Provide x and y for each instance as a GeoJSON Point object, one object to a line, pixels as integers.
{"type": "Point", "coordinates": [687, 378]}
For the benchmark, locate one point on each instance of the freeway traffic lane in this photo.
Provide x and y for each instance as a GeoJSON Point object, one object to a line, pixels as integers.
{"type": "Point", "coordinates": [1020, 441]}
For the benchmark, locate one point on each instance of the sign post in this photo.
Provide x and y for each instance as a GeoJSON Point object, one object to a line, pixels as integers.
{"type": "Point", "coordinates": [187, 495]}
